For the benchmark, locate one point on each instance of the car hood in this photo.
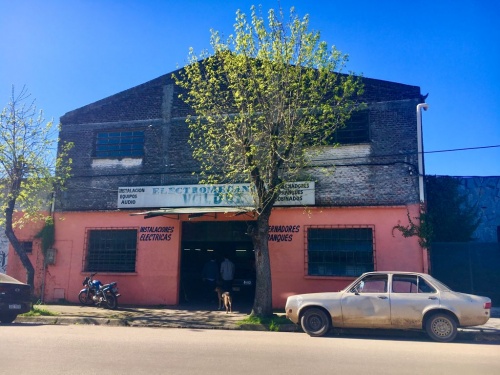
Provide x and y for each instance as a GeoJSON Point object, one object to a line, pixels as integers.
{"type": "Point", "coordinates": [315, 296]}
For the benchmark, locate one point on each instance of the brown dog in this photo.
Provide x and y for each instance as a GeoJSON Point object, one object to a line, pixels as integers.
{"type": "Point", "coordinates": [224, 300]}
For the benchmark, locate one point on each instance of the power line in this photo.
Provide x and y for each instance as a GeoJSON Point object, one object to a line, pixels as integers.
{"type": "Point", "coordinates": [364, 157]}
{"type": "Point", "coordinates": [461, 149]}
{"type": "Point", "coordinates": [405, 153]}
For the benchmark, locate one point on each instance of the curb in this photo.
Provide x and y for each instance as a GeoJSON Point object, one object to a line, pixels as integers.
{"type": "Point", "coordinates": [138, 322]}
{"type": "Point", "coordinates": [62, 320]}
{"type": "Point", "coordinates": [464, 334]}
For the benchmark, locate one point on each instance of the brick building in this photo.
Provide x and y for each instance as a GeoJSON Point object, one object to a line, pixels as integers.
{"type": "Point", "coordinates": [131, 156]}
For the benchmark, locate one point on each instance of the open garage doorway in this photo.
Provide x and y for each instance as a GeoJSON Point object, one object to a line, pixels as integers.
{"type": "Point", "coordinates": [203, 241]}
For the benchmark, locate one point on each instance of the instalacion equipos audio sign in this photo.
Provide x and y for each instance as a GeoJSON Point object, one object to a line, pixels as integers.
{"type": "Point", "coordinates": [227, 195]}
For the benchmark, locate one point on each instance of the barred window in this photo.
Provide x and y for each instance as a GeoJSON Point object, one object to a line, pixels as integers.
{"type": "Point", "coordinates": [356, 130]}
{"type": "Point", "coordinates": [111, 250]}
{"type": "Point", "coordinates": [119, 144]}
{"type": "Point", "coordinates": [339, 251]}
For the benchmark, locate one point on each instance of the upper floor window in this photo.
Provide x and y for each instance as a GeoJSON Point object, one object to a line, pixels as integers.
{"type": "Point", "coordinates": [119, 144]}
{"type": "Point", "coordinates": [356, 130]}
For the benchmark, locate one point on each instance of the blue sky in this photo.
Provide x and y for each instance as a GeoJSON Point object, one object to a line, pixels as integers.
{"type": "Point", "coordinates": [72, 53]}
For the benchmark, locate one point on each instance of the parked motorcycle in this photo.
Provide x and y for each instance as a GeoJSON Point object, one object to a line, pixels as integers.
{"type": "Point", "coordinates": [94, 292]}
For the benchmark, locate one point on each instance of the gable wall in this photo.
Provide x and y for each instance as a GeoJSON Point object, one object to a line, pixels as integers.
{"type": "Point", "coordinates": [382, 172]}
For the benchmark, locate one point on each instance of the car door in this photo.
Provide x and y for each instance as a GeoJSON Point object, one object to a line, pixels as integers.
{"type": "Point", "coordinates": [410, 297]}
{"type": "Point", "coordinates": [367, 304]}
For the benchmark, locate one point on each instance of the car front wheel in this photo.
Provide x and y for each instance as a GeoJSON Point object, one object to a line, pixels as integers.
{"type": "Point", "coordinates": [8, 317]}
{"type": "Point", "coordinates": [441, 327]}
{"type": "Point", "coordinates": [315, 322]}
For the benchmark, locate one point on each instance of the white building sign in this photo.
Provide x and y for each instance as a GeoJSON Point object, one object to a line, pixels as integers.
{"type": "Point", "coordinates": [233, 195]}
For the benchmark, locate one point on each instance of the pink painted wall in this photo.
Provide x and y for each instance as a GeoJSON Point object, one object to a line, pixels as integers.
{"type": "Point", "coordinates": [393, 252]}
{"type": "Point", "coordinates": [156, 280]}
{"type": "Point", "coordinates": [14, 266]}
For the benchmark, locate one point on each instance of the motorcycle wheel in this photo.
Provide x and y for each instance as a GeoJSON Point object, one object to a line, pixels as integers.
{"type": "Point", "coordinates": [85, 298]}
{"type": "Point", "coordinates": [111, 301]}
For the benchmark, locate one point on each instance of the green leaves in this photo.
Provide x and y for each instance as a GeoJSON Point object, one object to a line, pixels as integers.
{"type": "Point", "coordinates": [262, 98]}
{"type": "Point", "coordinates": [28, 161]}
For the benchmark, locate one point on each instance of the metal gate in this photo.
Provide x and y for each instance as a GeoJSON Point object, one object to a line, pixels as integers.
{"type": "Point", "coordinates": [468, 267]}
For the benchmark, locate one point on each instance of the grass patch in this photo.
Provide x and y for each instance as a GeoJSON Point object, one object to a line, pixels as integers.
{"type": "Point", "coordinates": [39, 311]}
{"type": "Point", "coordinates": [273, 321]}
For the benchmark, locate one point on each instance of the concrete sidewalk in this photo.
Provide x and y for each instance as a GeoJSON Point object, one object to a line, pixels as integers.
{"type": "Point", "coordinates": [199, 317]}
{"type": "Point", "coordinates": [190, 316]}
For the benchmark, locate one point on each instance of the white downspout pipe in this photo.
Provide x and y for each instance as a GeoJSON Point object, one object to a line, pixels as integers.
{"type": "Point", "coordinates": [425, 254]}
{"type": "Point", "coordinates": [420, 149]}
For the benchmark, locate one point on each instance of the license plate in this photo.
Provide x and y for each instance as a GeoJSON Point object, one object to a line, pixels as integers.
{"type": "Point", "coordinates": [15, 307]}
{"type": "Point", "coordinates": [236, 288]}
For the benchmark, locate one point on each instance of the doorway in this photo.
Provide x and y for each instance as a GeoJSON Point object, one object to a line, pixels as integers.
{"type": "Point", "coordinates": [203, 241]}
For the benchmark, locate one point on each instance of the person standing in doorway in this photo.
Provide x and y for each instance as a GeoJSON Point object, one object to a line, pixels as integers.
{"type": "Point", "coordinates": [209, 275]}
{"type": "Point", "coordinates": [227, 274]}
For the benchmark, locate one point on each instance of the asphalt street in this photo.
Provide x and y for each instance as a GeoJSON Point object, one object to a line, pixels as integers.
{"type": "Point", "coordinates": [87, 349]}
{"type": "Point", "coordinates": [201, 317]}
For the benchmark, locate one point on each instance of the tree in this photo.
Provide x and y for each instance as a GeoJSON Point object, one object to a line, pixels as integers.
{"type": "Point", "coordinates": [29, 169]}
{"type": "Point", "coordinates": [263, 99]}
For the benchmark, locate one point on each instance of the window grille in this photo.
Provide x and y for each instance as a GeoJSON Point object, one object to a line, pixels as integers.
{"type": "Point", "coordinates": [119, 144]}
{"type": "Point", "coordinates": [356, 130]}
{"type": "Point", "coordinates": [339, 251]}
{"type": "Point", "coordinates": [111, 250]}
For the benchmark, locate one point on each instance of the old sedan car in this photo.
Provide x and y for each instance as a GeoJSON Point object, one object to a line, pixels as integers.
{"type": "Point", "coordinates": [15, 298]}
{"type": "Point", "coordinates": [390, 300]}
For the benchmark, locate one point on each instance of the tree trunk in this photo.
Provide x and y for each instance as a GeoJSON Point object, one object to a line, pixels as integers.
{"type": "Point", "coordinates": [263, 304]}
{"type": "Point", "coordinates": [9, 232]}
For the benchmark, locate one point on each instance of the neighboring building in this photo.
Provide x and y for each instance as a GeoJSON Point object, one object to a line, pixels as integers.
{"type": "Point", "coordinates": [131, 156]}
{"type": "Point", "coordinates": [484, 193]}
{"type": "Point", "coordinates": [473, 266]}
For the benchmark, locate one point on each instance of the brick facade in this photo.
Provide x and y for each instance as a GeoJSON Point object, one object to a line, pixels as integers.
{"type": "Point", "coordinates": [382, 172]}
